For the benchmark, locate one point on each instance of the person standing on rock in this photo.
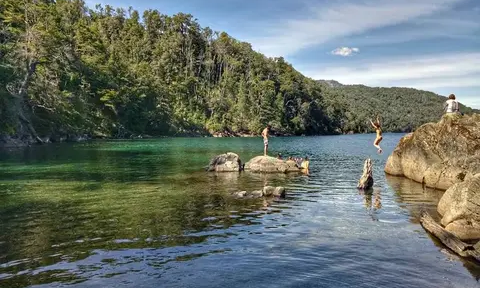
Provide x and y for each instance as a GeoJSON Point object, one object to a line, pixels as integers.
{"type": "Point", "coordinates": [265, 135]}
{"type": "Point", "coordinates": [451, 105]}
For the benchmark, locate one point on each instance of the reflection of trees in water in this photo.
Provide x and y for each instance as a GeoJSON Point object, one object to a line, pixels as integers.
{"type": "Point", "coordinates": [69, 219]}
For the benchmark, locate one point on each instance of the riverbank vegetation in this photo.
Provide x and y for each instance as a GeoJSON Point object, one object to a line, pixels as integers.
{"type": "Point", "coordinates": [67, 69]}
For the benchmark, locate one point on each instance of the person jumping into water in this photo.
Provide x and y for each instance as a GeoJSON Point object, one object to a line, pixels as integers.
{"type": "Point", "coordinates": [265, 135]}
{"type": "Point", "coordinates": [377, 127]}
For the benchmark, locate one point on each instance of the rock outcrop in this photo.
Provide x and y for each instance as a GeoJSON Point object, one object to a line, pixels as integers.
{"type": "Point", "coordinates": [438, 154]}
{"type": "Point", "coordinates": [228, 162]}
{"type": "Point", "coordinates": [268, 164]}
{"type": "Point", "coordinates": [445, 156]}
{"type": "Point", "coordinates": [459, 207]}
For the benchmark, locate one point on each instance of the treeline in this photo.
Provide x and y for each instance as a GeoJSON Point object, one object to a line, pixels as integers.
{"type": "Point", "coordinates": [400, 109]}
{"type": "Point", "coordinates": [69, 69]}
{"type": "Point", "coordinates": [66, 69]}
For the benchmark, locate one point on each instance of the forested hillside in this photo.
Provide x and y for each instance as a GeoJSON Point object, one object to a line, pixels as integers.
{"type": "Point", "coordinates": [69, 70]}
{"type": "Point", "coordinates": [401, 109]}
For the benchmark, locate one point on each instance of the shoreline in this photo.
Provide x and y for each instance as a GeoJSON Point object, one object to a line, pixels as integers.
{"type": "Point", "coordinates": [7, 142]}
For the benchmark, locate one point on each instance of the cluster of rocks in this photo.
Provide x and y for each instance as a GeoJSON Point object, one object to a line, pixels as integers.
{"type": "Point", "coordinates": [445, 156]}
{"type": "Point", "coordinates": [230, 162]}
{"type": "Point", "coordinates": [267, 191]}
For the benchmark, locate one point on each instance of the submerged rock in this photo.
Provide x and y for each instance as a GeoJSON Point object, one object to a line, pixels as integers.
{"type": "Point", "coordinates": [267, 191]}
{"type": "Point", "coordinates": [459, 207]}
{"type": "Point", "coordinates": [268, 164]}
{"type": "Point", "coordinates": [228, 162]}
{"type": "Point", "coordinates": [438, 154]}
{"type": "Point", "coordinates": [274, 191]}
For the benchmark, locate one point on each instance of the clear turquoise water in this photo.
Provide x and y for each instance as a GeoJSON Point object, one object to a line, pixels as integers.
{"type": "Point", "coordinates": [143, 213]}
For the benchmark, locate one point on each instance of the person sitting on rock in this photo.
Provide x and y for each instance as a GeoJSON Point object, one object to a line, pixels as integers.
{"type": "Point", "coordinates": [279, 156]}
{"type": "Point", "coordinates": [451, 105]}
{"type": "Point", "coordinates": [265, 135]}
{"type": "Point", "coordinates": [377, 127]}
{"type": "Point", "coordinates": [298, 161]}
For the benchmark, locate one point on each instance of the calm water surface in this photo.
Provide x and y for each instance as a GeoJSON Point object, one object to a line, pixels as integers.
{"type": "Point", "coordinates": [145, 214]}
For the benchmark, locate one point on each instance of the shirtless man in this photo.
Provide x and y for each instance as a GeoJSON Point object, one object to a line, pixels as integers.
{"type": "Point", "coordinates": [265, 135]}
{"type": "Point", "coordinates": [377, 127]}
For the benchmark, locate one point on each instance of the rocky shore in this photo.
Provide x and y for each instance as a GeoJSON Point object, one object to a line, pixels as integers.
{"type": "Point", "coordinates": [446, 156]}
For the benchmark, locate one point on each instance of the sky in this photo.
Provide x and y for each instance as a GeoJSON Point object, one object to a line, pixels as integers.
{"type": "Point", "coordinates": [432, 45]}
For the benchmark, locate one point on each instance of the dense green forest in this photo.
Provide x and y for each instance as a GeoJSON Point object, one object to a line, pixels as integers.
{"type": "Point", "coordinates": [66, 69]}
{"type": "Point", "coordinates": [400, 109]}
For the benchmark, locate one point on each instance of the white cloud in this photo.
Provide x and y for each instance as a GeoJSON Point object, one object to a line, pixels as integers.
{"type": "Point", "coordinates": [345, 51]}
{"type": "Point", "coordinates": [352, 18]}
{"type": "Point", "coordinates": [384, 71]}
{"type": "Point", "coordinates": [434, 72]}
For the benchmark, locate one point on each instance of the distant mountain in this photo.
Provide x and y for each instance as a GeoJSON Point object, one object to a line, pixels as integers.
{"type": "Point", "coordinates": [330, 83]}
{"type": "Point", "coordinates": [401, 109]}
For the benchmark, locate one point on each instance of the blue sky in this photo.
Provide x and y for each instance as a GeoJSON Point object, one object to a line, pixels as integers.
{"type": "Point", "coordinates": [426, 44]}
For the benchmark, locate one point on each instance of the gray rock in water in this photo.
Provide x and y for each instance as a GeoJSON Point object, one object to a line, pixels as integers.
{"type": "Point", "coordinates": [228, 162]}
{"type": "Point", "coordinates": [239, 194]}
{"type": "Point", "coordinates": [268, 164]}
{"type": "Point", "coordinates": [267, 191]}
{"type": "Point", "coordinates": [255, 194]}
{"type": "Point", "coordinates": [274, 191]}
{"type": "Point", "coordinates": [459, 207]}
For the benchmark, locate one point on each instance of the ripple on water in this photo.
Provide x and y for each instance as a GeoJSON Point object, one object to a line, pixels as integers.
{"type": "Point", "coordinates": [109, 214]}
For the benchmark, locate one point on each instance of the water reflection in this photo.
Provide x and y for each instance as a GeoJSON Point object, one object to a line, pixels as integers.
{"type": "Point", "coordinates": [414, 197]}
{"type": "Point", "coordinates": [372, 206]}
{"type": "Point", "coordinates": [144, 213]}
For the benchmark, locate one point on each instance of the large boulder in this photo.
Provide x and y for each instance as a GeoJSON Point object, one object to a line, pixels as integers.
{"type": "Point", "coordinates": [459, 207]}
{"type": "Point", "coordinates": [438, 154]}
{"type": "Point", "coordinates": [268, 164]}
{"type": "Point", "coordinates": [228, 162]}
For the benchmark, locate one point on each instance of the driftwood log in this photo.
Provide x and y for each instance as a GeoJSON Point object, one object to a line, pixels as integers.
{"type": "Point", "coordinates": [447, 238]}
{"type": "Point", "coordinates": [366, 180]}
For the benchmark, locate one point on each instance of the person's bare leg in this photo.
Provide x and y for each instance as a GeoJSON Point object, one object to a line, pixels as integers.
{"type": "Point", "coordinates": [265, 150]}
{"type": "Point", "coordinates": [376, 144]}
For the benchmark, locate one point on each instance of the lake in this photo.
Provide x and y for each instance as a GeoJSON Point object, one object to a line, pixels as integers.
{"type": "Point", "coordinates": [144, 213]}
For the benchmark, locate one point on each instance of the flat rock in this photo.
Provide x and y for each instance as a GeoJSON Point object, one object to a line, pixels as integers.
{"type": "Point", "coordinates": [268, 164]}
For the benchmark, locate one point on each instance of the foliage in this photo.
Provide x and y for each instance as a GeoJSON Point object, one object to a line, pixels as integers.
{"type": "Point", "coordinates": [67, 69]}
{"type": "Point", "coordinates": [400, 109]}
